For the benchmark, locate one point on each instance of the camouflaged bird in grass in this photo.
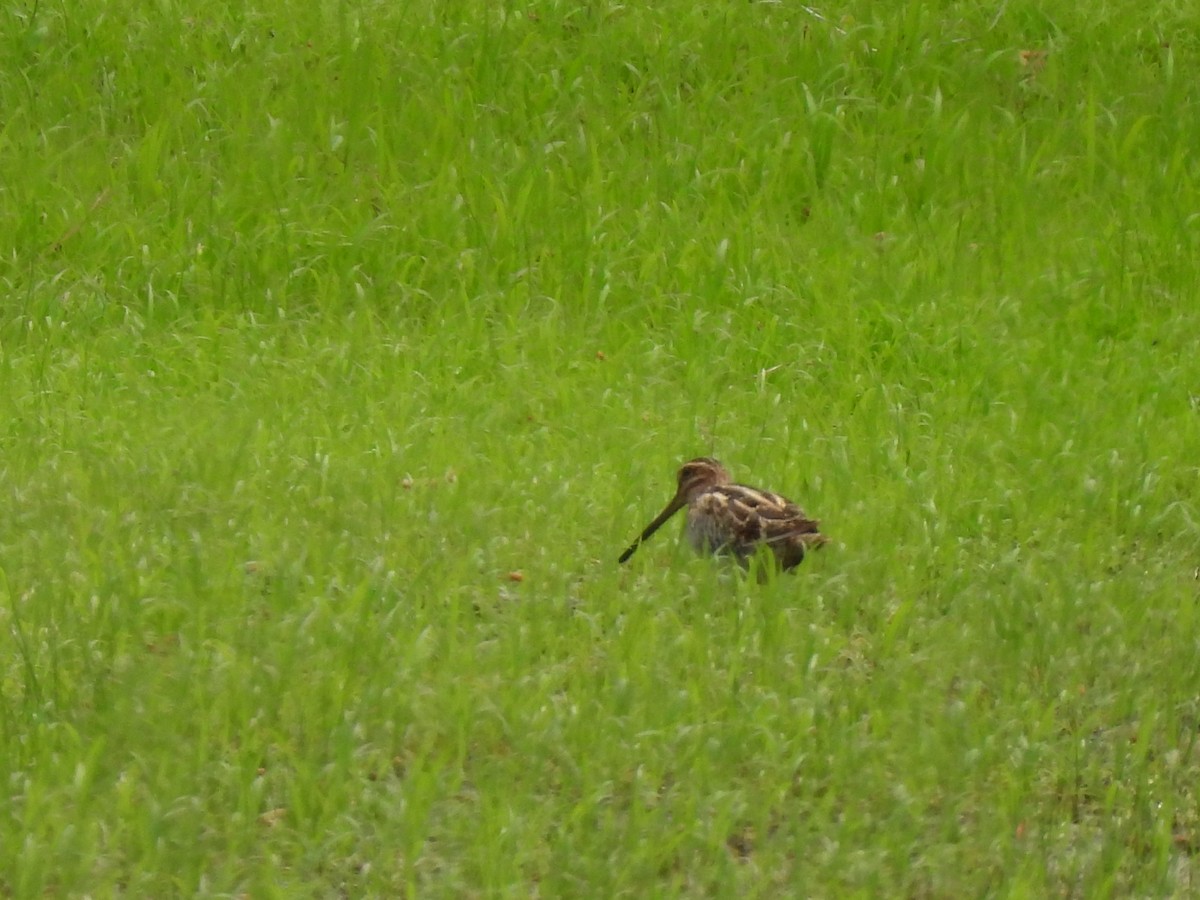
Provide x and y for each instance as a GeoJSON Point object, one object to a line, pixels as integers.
{"type": "Point", "coordinates": [727, 519]}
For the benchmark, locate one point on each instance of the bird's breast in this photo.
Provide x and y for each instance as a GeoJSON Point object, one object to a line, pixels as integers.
{"type": "Point", "coordinates": [710, 525]}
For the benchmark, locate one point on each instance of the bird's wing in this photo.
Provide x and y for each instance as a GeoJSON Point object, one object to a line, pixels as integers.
{"type": "Point", "coordinates": [764, 516]}
{"type": "Point", "coordinates": [767, 505]}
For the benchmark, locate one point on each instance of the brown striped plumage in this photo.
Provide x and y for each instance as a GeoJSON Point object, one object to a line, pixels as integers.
{"type": "Point", "coordinates": [726, 519]}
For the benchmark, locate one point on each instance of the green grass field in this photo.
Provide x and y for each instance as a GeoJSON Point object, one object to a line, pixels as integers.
{"type": "Point", "coordinates": [344, 346]}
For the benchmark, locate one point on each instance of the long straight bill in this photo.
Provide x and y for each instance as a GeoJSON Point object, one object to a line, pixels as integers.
{"type": "Point", "coordinates": [673, 507]}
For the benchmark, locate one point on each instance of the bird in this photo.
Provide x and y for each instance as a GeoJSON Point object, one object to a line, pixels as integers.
{"type": "Point", "coordinates": [727, 519]}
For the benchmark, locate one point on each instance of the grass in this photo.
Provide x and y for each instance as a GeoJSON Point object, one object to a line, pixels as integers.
{"type": "Point", "coordinates": [344, 348]}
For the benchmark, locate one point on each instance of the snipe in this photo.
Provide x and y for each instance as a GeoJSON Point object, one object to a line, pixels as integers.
{"type": "Point", "coordinates": [727, 519]}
